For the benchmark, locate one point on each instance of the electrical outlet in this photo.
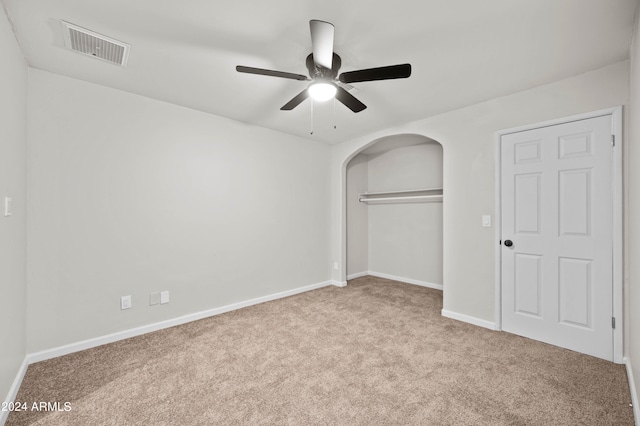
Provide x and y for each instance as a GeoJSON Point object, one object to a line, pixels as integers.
{"type": "Point", "coordinates": [335, 266]}
{"type": "Point", "coordinates": [164, 297]}
{"type": "Point", "coordinates": [486, 221]}
{"type": "Point", "coordinates": [154, 298]}
{"type": "Point", "coordinates": [125, 302]}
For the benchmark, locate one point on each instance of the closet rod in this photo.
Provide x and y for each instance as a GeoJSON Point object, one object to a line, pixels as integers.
{"type": "Point", "coordinates": [406, 191]}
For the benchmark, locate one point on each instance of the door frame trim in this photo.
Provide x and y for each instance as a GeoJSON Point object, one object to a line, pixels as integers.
{"type": "Point", "coordinates": [617, 211]}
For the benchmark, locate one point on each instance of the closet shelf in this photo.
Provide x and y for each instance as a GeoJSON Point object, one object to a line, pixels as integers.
{"type": "Point", "coordinates": [425, 195]}
{"type": "Point", "coordinates": [410, 199]}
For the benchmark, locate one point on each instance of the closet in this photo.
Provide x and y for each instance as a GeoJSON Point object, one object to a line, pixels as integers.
{"type": "Point", "coordinates": [394, 211]}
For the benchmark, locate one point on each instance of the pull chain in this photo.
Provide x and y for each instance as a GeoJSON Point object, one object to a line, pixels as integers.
{"type": "Point", "coordinates": [311, 116]}
{"type": "Point", "coordinates": [334, 113]}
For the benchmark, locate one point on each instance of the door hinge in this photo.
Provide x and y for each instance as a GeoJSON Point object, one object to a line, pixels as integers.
{"type": "Point", "coordinates": [613, 322]}
{"type": "Point", "coordinates": [613, 140]}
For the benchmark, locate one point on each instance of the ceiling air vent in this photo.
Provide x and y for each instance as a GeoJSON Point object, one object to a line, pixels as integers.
{"type": "Point", "coordinates": [96, 45]}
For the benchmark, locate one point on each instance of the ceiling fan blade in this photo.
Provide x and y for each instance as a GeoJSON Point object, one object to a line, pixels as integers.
{"type": "Point", "coordinates": [381, 73]}
{"type": "Point", "coordinates": [349, 100]}
{"type": "Point", "coordinates": [295, 101]}
{"type": "Point", "coordinates": [271, 73]}
{"type": "Point", "coordinates": [322, 42]}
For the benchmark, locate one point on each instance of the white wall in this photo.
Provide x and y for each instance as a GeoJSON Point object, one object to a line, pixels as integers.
{"type": "Point", "coordinates": [129, 195]}
{"type": "Point", "coordinates": [357, 216]}
{"type": "Point", "coordinates": [633, 216]}
{"type": "Point", "coordinates": [467, 136]}
{"type": "Point", "coordinates": [13, 170]}
{"type": "Point", "coordinates": [405, 239]}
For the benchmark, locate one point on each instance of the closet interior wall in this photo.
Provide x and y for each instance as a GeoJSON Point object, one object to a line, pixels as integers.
{"type": "Point", "coordinates": [398, 239]}
{"type": "Point", "coordinates": [357, 217]}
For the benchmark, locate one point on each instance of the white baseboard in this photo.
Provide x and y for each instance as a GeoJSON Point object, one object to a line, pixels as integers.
{"type": "Point", "coordinates": [121, 335]}
{"type": "Point", "coordinates": [405, 280]}
{"type": "Point", "coordinates": [357, 275]}
{"type": "Point", "coordinates": [633, 390]}
{"type": "Point", "coordinates": [13, 390]}
{"type": "Point", "coordinates": [338, 283]}
{"type": "Point", "coordinates": [471, 320]}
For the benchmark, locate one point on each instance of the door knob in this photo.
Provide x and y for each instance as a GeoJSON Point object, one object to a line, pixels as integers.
{"type": "Point", "coordinates": [508, 243]}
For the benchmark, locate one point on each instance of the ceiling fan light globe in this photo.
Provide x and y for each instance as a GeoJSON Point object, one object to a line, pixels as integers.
{"type": "Point", "coordinates": [322, 91]}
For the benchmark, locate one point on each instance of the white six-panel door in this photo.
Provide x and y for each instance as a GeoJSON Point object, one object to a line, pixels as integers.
{"type": "Point", "coordinates": [556, 212]}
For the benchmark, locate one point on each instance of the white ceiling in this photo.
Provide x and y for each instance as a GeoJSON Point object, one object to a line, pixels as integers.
{"type": "Point", "coordinates": [462, 52]}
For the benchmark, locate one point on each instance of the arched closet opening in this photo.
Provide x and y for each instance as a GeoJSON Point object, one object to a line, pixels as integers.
{"type": "Point", "coordinates": [394, 210]}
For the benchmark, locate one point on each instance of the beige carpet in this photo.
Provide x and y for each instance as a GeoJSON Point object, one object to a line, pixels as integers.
{"type": "Point", "coordinates": [376, 352]}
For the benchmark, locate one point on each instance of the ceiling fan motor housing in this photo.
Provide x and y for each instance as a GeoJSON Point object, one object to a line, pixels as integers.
{"type": "Point", "coordinates": [318, 72]}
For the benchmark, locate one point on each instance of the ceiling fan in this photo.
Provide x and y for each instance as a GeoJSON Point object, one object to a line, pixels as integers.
{"type": "Point", "coordinates": [323, 65]}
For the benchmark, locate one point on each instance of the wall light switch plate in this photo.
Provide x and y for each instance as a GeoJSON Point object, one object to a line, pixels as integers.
{"type": "Point", "coordinates": [164, 297]}
{"type": "Point", "coordinates": [7, 206]}
{"type": "Point", "coordinates": [486, 221]}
